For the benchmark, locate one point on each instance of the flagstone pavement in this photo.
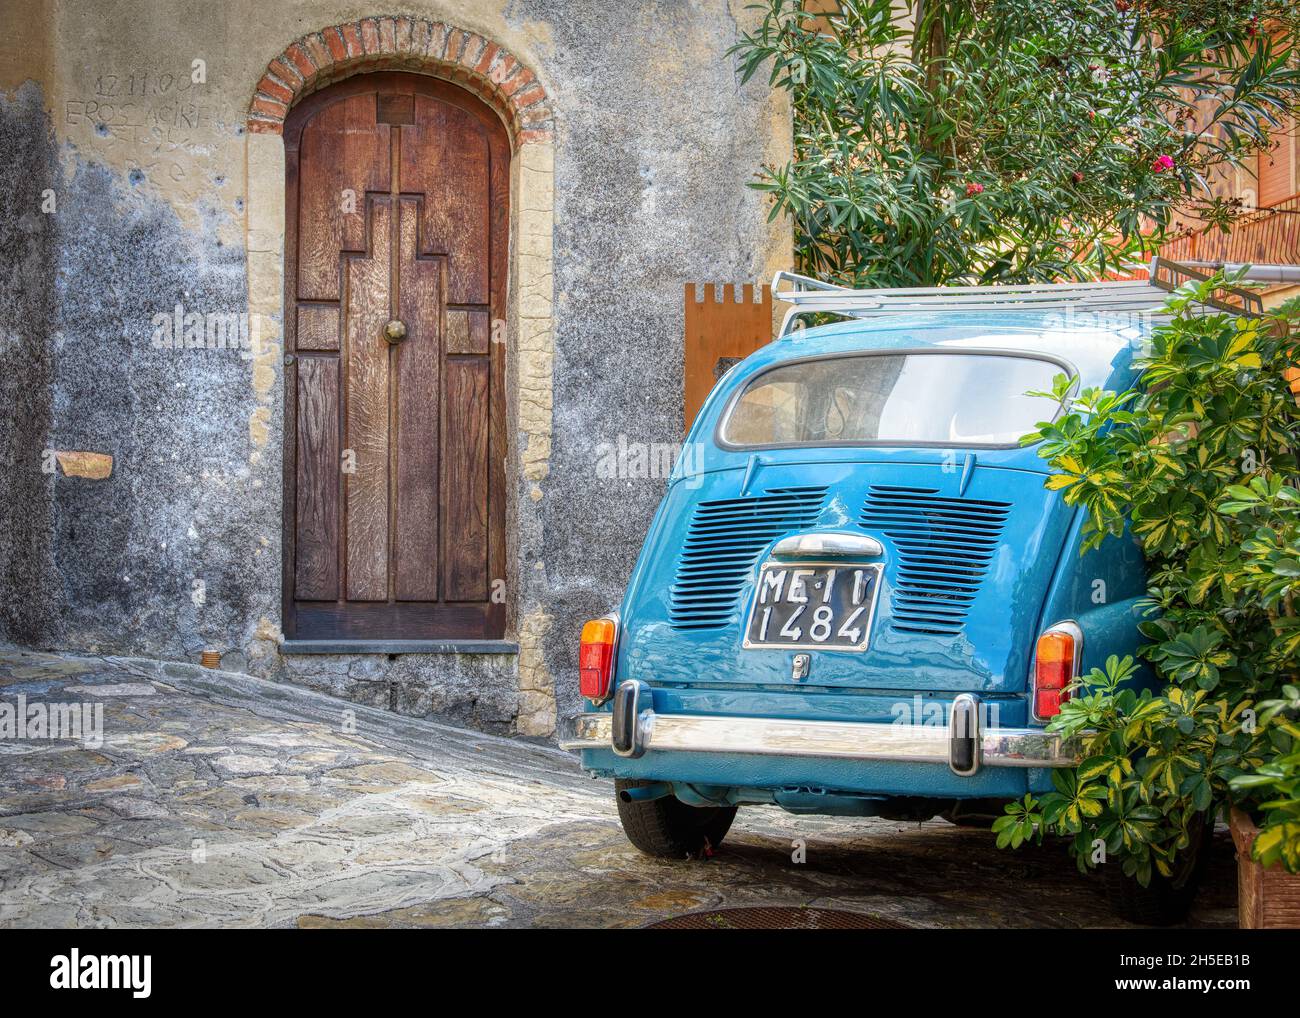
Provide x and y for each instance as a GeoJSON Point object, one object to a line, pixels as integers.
{"type": "Point", "coordinates": [217, 799]}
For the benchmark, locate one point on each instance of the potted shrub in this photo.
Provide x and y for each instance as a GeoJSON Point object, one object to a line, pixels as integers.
{"type": "Point", "coordinates": [1268, 857]}
{"type": "Point", "coordinates": [1199, 464]}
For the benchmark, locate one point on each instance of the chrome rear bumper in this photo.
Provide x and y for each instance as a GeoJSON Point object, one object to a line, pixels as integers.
{"type": "Point", "coordinates": [633, 730]}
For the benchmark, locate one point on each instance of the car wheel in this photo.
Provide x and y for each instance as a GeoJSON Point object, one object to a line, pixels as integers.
{"type": "Point", "coordinates": [1166, 900]}
{"type": "Point", "coordinates": [669, 828]}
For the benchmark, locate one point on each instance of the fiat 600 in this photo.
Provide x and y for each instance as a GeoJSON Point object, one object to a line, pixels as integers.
{"type": "Point", "coordinates": [861, 599]}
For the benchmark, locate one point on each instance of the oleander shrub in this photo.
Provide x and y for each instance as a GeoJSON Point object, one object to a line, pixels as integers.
{"type": "Point", "coordinates": [998, 140]}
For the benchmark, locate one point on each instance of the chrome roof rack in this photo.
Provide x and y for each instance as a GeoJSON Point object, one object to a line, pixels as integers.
{"type": "Point", "coordinates": [1142, 296]}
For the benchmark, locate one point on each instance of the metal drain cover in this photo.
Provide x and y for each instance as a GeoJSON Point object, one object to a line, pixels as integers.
{"type": "Point", "coordinates": [776, 918]}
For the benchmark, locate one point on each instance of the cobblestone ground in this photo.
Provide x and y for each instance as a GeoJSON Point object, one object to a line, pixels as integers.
{"type": "Point", "coordinates": [217, 799]}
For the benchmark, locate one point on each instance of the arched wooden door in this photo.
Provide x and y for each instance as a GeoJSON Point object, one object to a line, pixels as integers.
{"type": "Point", "coordinates": [395, 268]}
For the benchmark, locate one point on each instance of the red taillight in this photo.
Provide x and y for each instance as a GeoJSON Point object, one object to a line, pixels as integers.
{"type": "Point", "coordinates": [596, 658]}
{"type": "Point", "coordinates": [1053, 671]}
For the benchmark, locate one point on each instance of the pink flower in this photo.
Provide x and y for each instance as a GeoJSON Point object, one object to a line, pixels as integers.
{"type": "Point", "coordinates": [1162, 164]}
{"type": "Point", "coordinates": [974, 189]}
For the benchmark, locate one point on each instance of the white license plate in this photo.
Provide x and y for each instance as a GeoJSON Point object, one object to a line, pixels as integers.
{"type": "Point", "coordinates": [824, 606]}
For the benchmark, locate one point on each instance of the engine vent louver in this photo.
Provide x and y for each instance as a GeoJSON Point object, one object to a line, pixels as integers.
{"type": "Point", "coordinates": [722, 547]}
{"type": "Point", "coordinates": [942, 548]}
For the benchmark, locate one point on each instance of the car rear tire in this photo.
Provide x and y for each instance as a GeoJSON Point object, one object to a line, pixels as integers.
{"type": "Point", "coordinates": [1166, 900]}
{"type": "Point", "coordinates": [667, 827]}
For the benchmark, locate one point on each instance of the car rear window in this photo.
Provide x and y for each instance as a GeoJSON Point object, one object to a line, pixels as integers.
{"type": "Point", "coordinates": [913, 398]}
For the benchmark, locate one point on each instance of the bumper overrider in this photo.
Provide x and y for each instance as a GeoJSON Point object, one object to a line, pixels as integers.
{"type": "Point", "coordinates": [635, 728]}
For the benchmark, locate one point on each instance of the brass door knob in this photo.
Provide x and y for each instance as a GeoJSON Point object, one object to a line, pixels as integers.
{"type": "Point", "coordinates": [395, 331]}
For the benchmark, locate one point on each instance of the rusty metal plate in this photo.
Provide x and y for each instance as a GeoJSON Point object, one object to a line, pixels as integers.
{"type": "Point", "coordinates": [776, 918]}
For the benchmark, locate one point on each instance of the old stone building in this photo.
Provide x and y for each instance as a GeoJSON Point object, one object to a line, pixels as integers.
{"type": "Point", "coordinates": [316, 314]}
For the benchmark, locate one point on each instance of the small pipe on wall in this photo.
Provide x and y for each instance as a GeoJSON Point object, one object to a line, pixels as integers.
{"type": "Point", "coordinates": [1260, 273]}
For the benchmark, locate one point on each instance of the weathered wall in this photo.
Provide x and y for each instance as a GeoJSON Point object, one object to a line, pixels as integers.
{"type": "Point", "coordinates": [178, 549]}
{"type": "Point", "coordinates": [28, 248]}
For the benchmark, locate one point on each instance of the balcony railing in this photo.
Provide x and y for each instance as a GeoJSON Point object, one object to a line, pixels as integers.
{"type": "Point", "coordinates": [1266, 236]}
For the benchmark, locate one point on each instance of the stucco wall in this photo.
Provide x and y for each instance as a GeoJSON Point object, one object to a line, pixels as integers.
{"type": "Point", "coordinates": [153, 175]}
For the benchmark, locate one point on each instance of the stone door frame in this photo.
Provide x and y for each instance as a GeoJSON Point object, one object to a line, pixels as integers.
{"type": "Point", "coordinates": [518, 96]}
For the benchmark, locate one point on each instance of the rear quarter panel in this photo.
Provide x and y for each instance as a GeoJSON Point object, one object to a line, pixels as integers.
{"type": "Point", "coordinates": [1102, 591]}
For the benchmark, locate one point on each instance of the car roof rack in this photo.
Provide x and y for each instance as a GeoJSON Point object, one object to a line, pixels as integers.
{"type": "Point", "coordinates": [1140, 296]}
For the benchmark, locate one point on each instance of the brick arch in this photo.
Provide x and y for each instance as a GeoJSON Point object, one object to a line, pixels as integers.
{"type": "Point", "coordinates": [410, 44]}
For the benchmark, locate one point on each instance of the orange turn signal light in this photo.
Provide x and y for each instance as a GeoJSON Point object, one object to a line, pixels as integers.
{"type": "Point", "coordinates": [1053, 672]}
{"type": "Point", "coordinates": [596, 658]}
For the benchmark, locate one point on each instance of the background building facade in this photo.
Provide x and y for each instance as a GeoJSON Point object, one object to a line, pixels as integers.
{"type": "Point", "coordinates": [153, 355]}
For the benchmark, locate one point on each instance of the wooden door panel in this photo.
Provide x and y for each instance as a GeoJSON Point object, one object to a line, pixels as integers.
{"type": "Point", "coordinates": [318, 327]}
{"type": "Point", "coordinates": [394, 496]}
{"type": "Point", "coordinates": [465, 479]}
{"type": "Point", "coordinates": [419, 402]}
{"type": "Point", "coordinates": [317, 538]}
{"type": "Point", "coordinates": [366, 432]}
{"type": "Point", "coordinates": [445, 156]}
{"type": "Point", "coordinates": [468, 332]}
{"type": "Point", "coordinates": [344, 155]}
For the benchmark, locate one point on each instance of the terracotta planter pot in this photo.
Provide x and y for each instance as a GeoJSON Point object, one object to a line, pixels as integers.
{"type": "Point", "coordinates": [1267, 899]}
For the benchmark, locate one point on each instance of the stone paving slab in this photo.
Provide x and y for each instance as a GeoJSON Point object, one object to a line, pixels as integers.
{"type": "Point", "coordinates": [217, 799]}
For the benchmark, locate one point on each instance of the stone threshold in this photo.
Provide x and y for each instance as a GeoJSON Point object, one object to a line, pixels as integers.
{"type": "Point", "coordinates": [398, 647]}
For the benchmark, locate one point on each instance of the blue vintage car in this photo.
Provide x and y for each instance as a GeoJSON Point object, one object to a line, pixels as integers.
{"type": "Point", "coordinates": [857, 596]}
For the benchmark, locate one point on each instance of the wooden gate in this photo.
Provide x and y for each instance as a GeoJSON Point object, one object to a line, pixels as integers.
{"type": "Point", "coordinates": [395, 263]}
{"type": "Point", "coordinates": [719, 333]}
